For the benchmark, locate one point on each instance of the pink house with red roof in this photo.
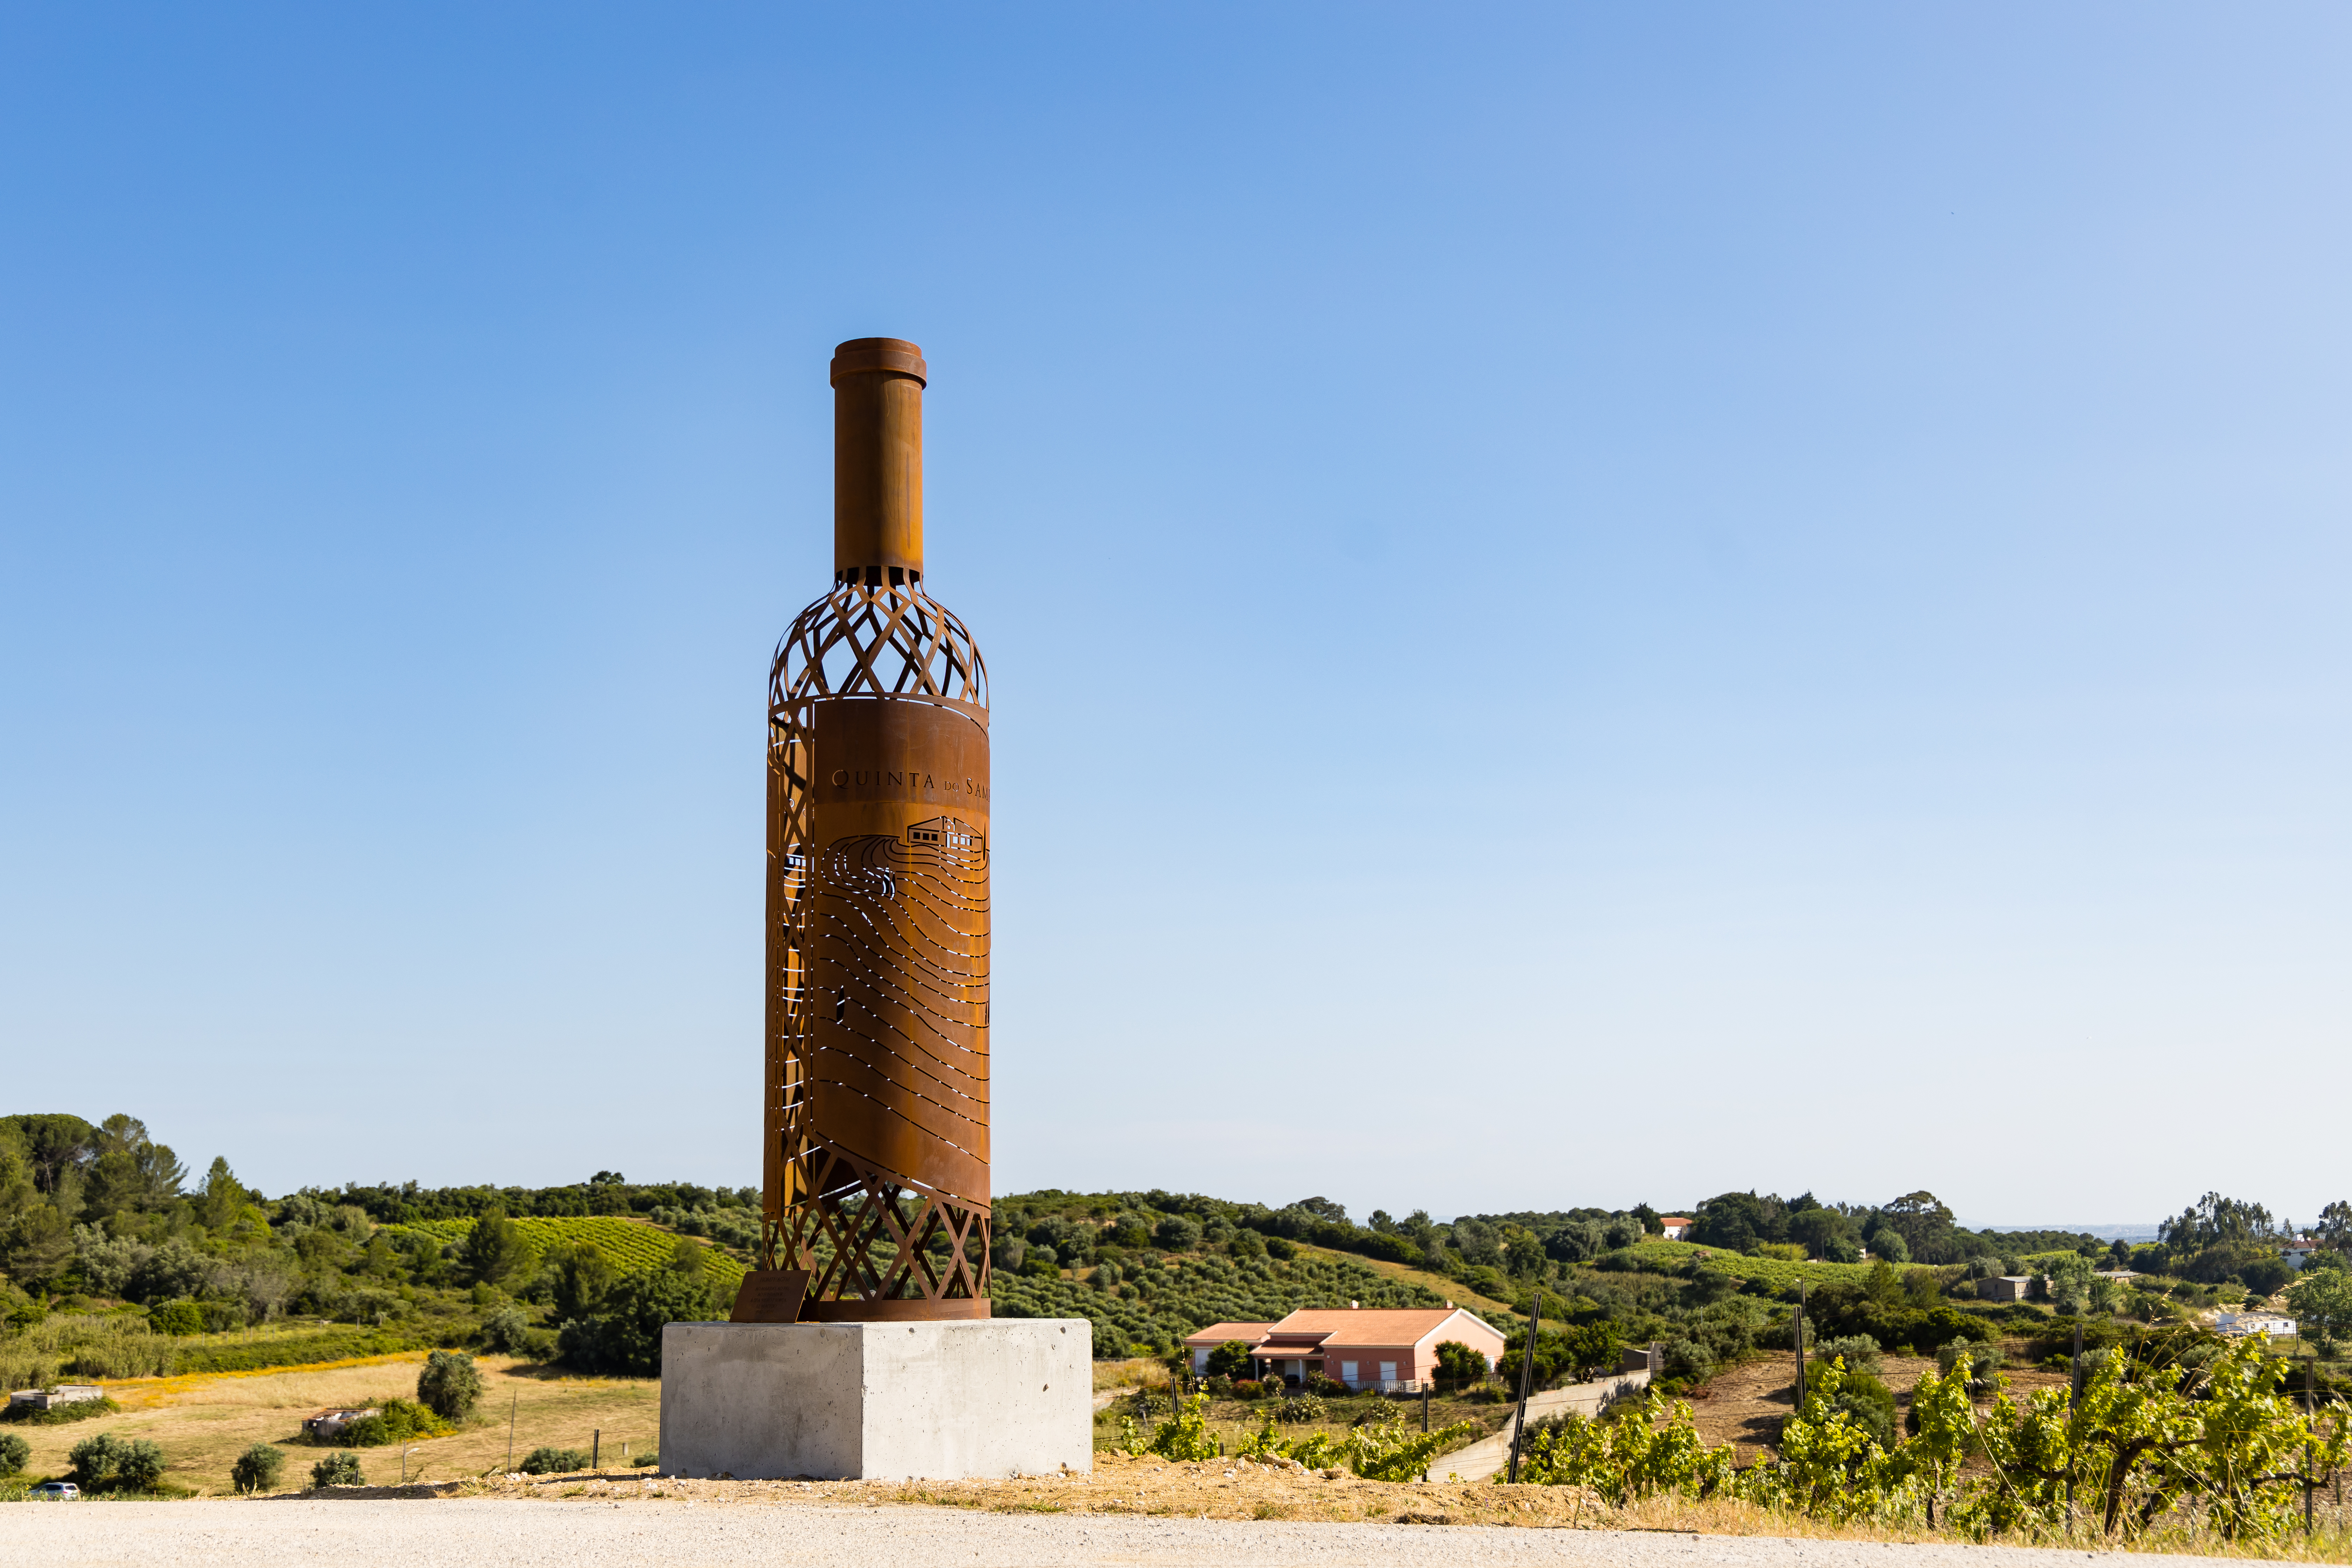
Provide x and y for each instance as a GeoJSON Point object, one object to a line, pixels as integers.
{"type": "Point", "coordinates": [1376, 1348]}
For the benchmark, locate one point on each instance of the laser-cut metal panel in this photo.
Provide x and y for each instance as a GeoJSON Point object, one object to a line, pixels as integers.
{"type": "Point", "coordinates": [878, 957]}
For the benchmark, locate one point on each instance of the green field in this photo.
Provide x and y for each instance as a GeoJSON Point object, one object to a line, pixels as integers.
{"type": "Point", "coordinates": [630, 1246]}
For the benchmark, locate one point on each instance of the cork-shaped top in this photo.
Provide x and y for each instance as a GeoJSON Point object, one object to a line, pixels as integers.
{"type": "Point", "coordinates": [877, 462]}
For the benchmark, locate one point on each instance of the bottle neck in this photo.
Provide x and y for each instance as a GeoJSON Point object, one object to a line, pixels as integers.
{"type": "Point", "coordinates": [877, 463]}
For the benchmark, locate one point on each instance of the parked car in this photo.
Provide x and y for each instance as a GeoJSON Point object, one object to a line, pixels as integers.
{"type": "Point", "coordinates": [57, 1491]}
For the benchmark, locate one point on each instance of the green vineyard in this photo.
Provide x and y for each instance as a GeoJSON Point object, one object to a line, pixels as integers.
{"type": "Point", "coordinates": [631, 1246]}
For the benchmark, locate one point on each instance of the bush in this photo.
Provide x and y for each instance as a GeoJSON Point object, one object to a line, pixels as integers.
{"type": "Point", "coordinates": [1281, 1249]}
{"type": "Point", "coordinates": [1458, 1364]}
{"type": "Point", "coordinates": [1890, 1246]}
{"type": "Point", "coordinates": [625, 1337]}
{"type": "Point", "coordinates": [1301, 1407]}
{"type": "Point", "coordinates": [176, 1318]}
{"type": "Point", "coordinates": [506, 1332]}
{"type": "Point", "coordinates": [1229, 1359]}
{"type": "Point", "coordinates": [449, 1386]}
{"type": "Point", "coordinates": [1842, 1249]}
{"type": "Point", "coordinates": [1177, 1234]}
{"type": "Point", "coordinates": [257, 1469]}
{"type": "Point", "coordinates": [1984, 1361]}
{"type": "Point", "coordinates": [1247, 1388]}
{"type": "Point", "coordinates": [399, 1421]}
{"type": "Point", "coordinates": [1690, 1360]}
{"type": "Point", "coordinates": [339, 1469]}
{"type": "Point", "coordinates": [1860, 1350]}
{"type": "Point", "coordinates": [14, 1454]}
{"type": "Point", "coordinates": [553, 1461]}
{"type": "Point", "coordinates": [107, 1463]}
{"type": "Point", "coordinates": [1316, 1384]}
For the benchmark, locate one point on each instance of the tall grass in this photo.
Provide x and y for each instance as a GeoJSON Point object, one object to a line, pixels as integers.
{"type": "Point", "coordinates": [66, 1347]}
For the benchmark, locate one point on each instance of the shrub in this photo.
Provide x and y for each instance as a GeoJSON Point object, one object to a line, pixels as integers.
{"type": "Point", "coordinates": [625, 1337]}
{"type": "Point", "coordinates": [1842, 1249]}
{"type": "Point", "coordinates": [1459, 1365]}
{"type": "Point", "coordinates": [1984, 1361]}
{"type": "Point", "coordinates": [15, 1453]}
{"type": "Point", "coordinates": [1041, 1265]}
{"type": "Point", "coordinates": [506, 1332]}
{"type": "Point", "coordinates": [1689, 1359]}
{"type": "Point", "coordinates": [338, 1469]}
{"type": "Point", "coordinates": [449, 1386]}
{"type": "Point", "coordinates": [1860, 1350]}
{"type": "Point", "coordinates": [1301, 1407]}
{"type": "Point", "coordinates": [1323, 1387]}
{"type": "Point", "coordinates": [1786, 1251]}
{"type": "Point", "coordinates": [108, 1463]}
{"type": "Point", "coordinates": [181, 1317]}
{"type": "Point", "coordinates": [1231, 1359]}
{"type": "Point", "coordinates": [1281, 1249]}
{"type": "Point", "coordinates": [1890, 1246]}
{"type": "Point", "coordinates": [257, 1469]}
{"type": "Point", "coordinates": [1247, 1388]}
{"type": "Point", "coordinates": [1177, 1234]}
{"type": "Point", "coordinates": [553, 1461]}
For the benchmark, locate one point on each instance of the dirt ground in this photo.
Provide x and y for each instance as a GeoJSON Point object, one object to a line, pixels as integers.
{"type": "Point", "coordinates": [1745, 1405]}
{"type": "Point", "coordinates": [203, 1422]}
{"type": "Point", "coordinates": [1148, 1487]}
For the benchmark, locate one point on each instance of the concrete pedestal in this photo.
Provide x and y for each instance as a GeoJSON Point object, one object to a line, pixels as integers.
{"type": "Point", "coordinates": [940, 1401]}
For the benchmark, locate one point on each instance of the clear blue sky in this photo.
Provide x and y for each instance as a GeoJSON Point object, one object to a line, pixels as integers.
{"type": "Point", "coordinates": [1585, 604]}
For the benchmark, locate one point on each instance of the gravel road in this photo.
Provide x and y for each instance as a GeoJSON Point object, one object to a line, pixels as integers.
{"type": "Point", "coordinates": [499, 1533]}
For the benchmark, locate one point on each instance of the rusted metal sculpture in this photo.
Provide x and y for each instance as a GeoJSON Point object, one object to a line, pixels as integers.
{"type": "Point", "coordinates": [876, 1098]}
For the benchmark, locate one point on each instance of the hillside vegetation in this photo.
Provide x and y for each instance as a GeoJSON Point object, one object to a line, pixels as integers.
{"type": "Point", "coordinates": [116, 1265]}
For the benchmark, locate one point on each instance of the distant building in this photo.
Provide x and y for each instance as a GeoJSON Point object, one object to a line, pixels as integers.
{"type": "Point", "coordinates": [2297, 1253]}
{"type": "Point", "coordinates": [2005, 1287]}
{"type": "Point", "coordinates": [1390, 1349]}
{"type": "Point", "coordinates": [1216, 1334]}
{"type": "Point", "coordinates": [2238, 1324]}
{"type": "Point", "coordinates": [50, 1398]}
{"type": "Point", "coordinates": [1677, 1227]}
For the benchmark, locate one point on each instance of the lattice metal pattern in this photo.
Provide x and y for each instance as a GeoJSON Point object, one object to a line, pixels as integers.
{"type": "Point", "coordinates": [873, 643]}
{"type": "Point", "coordinates": [879, 1234]}
{"type": "Point", "coordinates": [861, 641]}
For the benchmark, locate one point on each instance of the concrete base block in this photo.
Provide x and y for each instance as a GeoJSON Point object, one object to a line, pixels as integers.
{"type": "Point", "coordinates": [939, 1401]}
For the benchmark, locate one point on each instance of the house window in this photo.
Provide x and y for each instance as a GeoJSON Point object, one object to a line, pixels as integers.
{"type": "Point", "coordinates": [1388, 1371]}
{"type": "Point", "coordinates": [1348, 1372]}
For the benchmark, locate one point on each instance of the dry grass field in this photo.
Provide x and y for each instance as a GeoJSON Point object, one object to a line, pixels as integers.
{"type": "Point", "coordinates": [203, 1422]}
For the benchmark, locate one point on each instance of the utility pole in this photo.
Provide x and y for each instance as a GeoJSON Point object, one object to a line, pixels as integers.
{"type": "Point", "coordinates": [1799, 1328]}
{"type": "Point", "coordinates": [1527, 1378]}
{"type": "Point", "coordinates": [510, 1415]}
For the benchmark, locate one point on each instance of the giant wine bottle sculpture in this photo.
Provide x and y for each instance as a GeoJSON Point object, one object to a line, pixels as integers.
{"type": "Point", "coordinates": [876, 1109]}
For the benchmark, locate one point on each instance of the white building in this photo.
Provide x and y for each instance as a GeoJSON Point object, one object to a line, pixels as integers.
{"type": "Point", "coordinates": [2236, 1324]}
